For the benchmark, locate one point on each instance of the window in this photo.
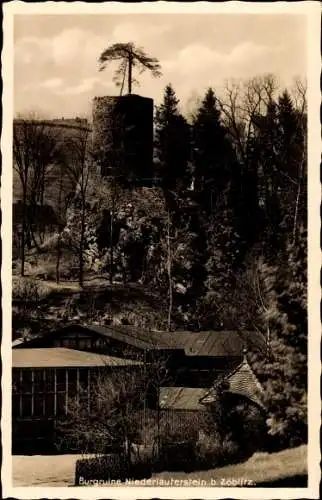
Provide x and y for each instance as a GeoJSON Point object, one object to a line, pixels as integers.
{"type": "Point", "coordinates": [26, 405]}
{"type": "Point", "coordinates": [61, 404]}
{"type": "Point", "coordinates": [83, 385]}
{"type": "Point", "coordinates": [39, 381]}
{"type": "Point", "coordinates": [84, 343]}
{"type": "Point", "coordinates": [16, 386]}
{"type": "Point", "coordinates": [50, 405]}
{"type": "Point", "coordinates": [27, 381]}
{"type": "Point", "coordinates": [49, 380]}
{"type": "Point", "coordinates": [16, 405]}
{"type": "Point", "coordinates": [38, 405]}
{"type": "Point", "coordinates": [83, 379]}
{"type": "Point", "coordinates": [69, 342]}
{"type": "Point", "coordinates": [61, 380]}
{"type": "Point", "coordinates": [72, 382]}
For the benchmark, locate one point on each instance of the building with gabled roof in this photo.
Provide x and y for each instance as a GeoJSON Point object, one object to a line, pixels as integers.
{"type": "Point", "coordinates": [47, 367]}
{"type": "Point", "coordinates": [242, 382]}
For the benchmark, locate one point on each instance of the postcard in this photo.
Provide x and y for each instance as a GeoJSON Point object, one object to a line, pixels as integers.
{"type": "Point", "coordinates": [160, 233]}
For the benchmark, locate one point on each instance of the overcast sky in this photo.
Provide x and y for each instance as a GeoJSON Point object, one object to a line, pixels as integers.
{"type": "Point", "coordinates": [55, 59]}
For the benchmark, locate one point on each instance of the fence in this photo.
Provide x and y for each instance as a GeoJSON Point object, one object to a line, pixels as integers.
{"type": "Point", "coordinates": [170, 424]}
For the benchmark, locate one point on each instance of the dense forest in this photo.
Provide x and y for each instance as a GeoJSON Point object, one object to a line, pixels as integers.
{"type": "Point", "coordinates": [216, 240]}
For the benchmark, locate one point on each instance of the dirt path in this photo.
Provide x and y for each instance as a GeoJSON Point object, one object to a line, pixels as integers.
{"type": "Point", "coordinates": [59, 470]}
{"type": "Point", "coordinates": [38, 470]}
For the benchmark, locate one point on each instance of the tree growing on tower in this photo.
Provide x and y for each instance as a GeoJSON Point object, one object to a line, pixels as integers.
{"type": "Point", "coordinates": [130, 58]}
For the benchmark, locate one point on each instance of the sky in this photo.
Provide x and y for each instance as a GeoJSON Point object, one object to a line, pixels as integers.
{"type": "Point", "coordinates": [56, 55]}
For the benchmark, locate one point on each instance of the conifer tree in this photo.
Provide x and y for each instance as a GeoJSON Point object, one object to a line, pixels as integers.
{"type": "Point", "coordinates": [284, 370]}
{"type": "Point", "coordinates": [131, 57]}
{"type": "Point", "coordinates": [212, 151]}
{"type": "Point", "coordinates": [293, 164]}
{"type": "Point", "coordinates": [172, 142]}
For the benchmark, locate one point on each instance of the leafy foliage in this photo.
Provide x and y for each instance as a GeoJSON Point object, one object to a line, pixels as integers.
{"type": "Point", "coordinates": [220, 244]}
{"type": "Point", "coordinates": [131, 57]}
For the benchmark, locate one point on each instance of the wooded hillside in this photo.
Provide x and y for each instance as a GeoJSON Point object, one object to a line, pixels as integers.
{"type": "Point", "coordinates": [220, 242]}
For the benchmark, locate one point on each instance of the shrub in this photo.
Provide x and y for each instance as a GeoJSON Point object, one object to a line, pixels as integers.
{"type": "Point", "coordinates": [177, 456]}
{"type": "Point", "coordinates": [45, 271]}
{"type": "Point", "coordinates": [25, 289]}
{"type": "Point", "coordinates": [232, 452]}
{"type": "Point", "coordinates": [99, 469]}
{"type": "Point", "coordinates": [209, 451]}
{"type": "Point", "coordinates": [107, 468]}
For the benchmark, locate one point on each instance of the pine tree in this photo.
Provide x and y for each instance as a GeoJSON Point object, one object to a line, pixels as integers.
{"type": "Point", "coordinates": [292, 156]}
{"type": "Point", "coordinates": [264, 160]}
{"type": "Point", "coordinates": [212, 152]}
{"type": "Point", "coordinates": [172, 142]}
{"type": "Point", "coordinates": [284, 371]}
{"type": "Point", "coordinates": [131, 57]}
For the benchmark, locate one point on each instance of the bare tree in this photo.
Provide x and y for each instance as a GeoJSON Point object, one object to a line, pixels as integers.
{"type": "Point", "coordinates": [241, 104]}
{"type": "Point", "coordinates": [113, 195]}
{"type": "Point", "coordinates": [175, 243]}
{"type": "Point", "coordinates": [169, 269]}
{"type": "Point", "coordinates": [65, 199]}
{"type": "Point", "coordinates": [79, 167]}
{"type": "Point", "coordinates": [35, 149]}
{"type": "Point", "coordinates": [246, 108]}
{"type": "Point", "coordinates": [116, 414]}
{"type": "Point", "coordinates": [299, 96]}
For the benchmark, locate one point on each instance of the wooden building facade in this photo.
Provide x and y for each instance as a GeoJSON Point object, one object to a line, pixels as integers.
{"type": "Point", "coordinates": [49, 370]}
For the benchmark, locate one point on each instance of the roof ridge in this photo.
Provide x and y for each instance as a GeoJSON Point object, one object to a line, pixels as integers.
{"type": "Point", "coordinates": [139, 337]}
{"type": "Point", "coordinates": [245, 363]}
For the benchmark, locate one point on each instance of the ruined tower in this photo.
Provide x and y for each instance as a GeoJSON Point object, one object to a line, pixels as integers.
{"type": "Point", "coordinates": [123, 136]}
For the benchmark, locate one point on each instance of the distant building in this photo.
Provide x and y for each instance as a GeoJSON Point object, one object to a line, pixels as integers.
{"type": "Point", "coordinates": [41, 216]}
{"type": "Point", "coordinates": [43, 380]}
{"type": "Point", "coordinates": [47, 369]}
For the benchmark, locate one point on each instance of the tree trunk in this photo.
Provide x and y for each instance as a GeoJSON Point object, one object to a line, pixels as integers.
{"type": "Point", "coordinates": [58, 258]}
{"type": "Point", "coordinates": [158, 423]}
{"type": "Point", "coordinates": [298, 194]}
{"type": "Point", "coordinates": [59, 242]}
{"type": "Point", "coordinates": [81, 247]}
{"type": "Point", "coordinates": [169, 276]}
{"type": "Point", "coordinates": [33, 239]}
{"type": "Point", "coordinates": [111, 242]}
{"type": "Point", "coordinates": [23, 230]}
{"type": "Point", "coordinates": [130, 72]}
{"type": "Point", "coordinates": [128, 451]}
{"type": "Point", "coordinates": [42, 193]}
{"type": "Point", "coordinates": [123, 81]}
{"type": "Point", "coordinates": [296, 212]}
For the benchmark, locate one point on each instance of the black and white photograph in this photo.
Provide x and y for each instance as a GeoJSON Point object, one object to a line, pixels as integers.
{"type": "Point", "coordinates": [160, 230]}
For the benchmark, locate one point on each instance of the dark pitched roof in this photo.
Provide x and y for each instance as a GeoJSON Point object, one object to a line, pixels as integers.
{"type": "Point", "coordinates": [212, 343]}
{"type": "Point", "coordinates": [218, 343]}
{"type": "Point", "coordinates": [61, 357]}
{"type": "Point", "coordinates": [181, 398]}
{"type": "Point", "coordinates": [242, 381]}
{"type": "Point", "coordinates": [137, 337]}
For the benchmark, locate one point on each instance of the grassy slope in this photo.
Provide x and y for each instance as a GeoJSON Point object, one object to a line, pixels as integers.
{"type": "Point", "coordinates": [262, 467]}
{"type": "Point", "coordinates": [97, 301]}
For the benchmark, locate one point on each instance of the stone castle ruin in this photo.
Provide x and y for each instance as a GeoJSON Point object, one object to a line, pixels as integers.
{"type": "Point", "coordinates": [121, 141]}
{"type": "Point", "coordinates": [122, 136]}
